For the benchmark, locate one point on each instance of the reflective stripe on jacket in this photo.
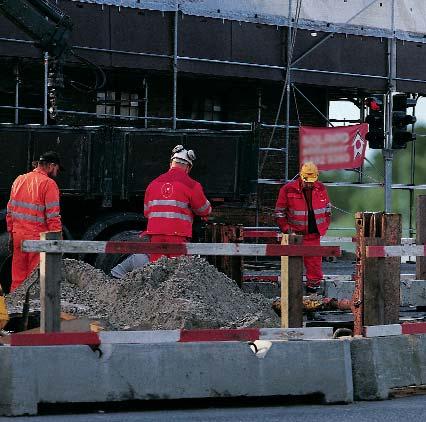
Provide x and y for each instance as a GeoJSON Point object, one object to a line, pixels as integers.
{"type": "Point", "coordinates": [291, 209]}
{"type": "Point", "coordinates": [34, 204]}
{"type": "Point", "coordinates": [171, 200]}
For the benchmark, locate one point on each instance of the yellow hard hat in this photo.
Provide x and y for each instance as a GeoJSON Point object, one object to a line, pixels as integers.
{"type": "Point", "coordinates": [309, 172]}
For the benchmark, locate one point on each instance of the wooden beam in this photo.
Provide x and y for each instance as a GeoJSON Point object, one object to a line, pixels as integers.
{"type": "Point", "coordinates": [50, 287]}
{"type": "Point", "coordinates": [291, 285]}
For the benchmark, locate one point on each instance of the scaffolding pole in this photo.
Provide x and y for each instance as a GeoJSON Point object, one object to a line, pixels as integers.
{"type": "Point", "coordinates": [287, 88]}
{"type": "Point", "coordinates": [388, 151]}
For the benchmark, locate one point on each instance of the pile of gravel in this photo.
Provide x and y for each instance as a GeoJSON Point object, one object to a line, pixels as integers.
{"type": "Point", "coordinates": [184, 292]}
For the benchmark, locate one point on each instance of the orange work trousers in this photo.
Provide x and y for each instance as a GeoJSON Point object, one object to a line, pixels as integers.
{"type": "Point", "coordinates": [313, 264]}
{"type": "Point", "coordinates": [157, 238]}
{"type": "Point", "coordinates": [23, 263]}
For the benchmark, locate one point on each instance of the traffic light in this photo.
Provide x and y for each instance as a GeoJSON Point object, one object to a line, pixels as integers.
{"type": "Point", "coordinates": [400, 121]}
{"type": "Point", "coordinates": [376, 122]}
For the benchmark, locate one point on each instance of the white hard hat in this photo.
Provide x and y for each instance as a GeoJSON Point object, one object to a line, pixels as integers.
{"type": "Point", "coordinates": [183, 156]}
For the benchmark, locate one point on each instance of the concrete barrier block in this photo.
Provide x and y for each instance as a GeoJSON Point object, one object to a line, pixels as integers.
{"type": "Point", "coordinates": [413, 292]}
{"type": "Point", "coordinates": [382, 363]}
{"type": "Point", "coordinates": [73, 374]}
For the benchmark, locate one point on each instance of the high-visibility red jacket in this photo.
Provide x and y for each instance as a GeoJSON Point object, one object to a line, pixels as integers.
{"type": "Point", "coordinates": [291, 209]}
{"type": "Point", "coordinates": [171, 200]}
{"type": "Point", "coordinates": [34, 204]}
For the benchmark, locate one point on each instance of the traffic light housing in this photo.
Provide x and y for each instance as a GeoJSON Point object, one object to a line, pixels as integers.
{"type": "Point", "coordinates": [376, 122]}
{"type": "Point", "coordinates": [400, 121]}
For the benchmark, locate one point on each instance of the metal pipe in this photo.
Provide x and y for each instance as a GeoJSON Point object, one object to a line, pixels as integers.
{"type": "Point", "coordinates": [259, 105]}
{"type": "Point", "coordinates": [145, 85]}
{"type": "Point", "coordinates": [23, 108]}
{"type": "Point", "coordinates": [46, 76]}
{"type": "Point", "coordinates": [214, 122]}
{"type": "Point", "coordinates": [279, 126]}
{"type": "Point", "coordinates": [287, 87]}
{"type": "Point", "coordinates": [387, 151]}
{"type": "Point", "coordinates": [17, 82]}
{"type": "Point", "coordinates": [411, 229]}
{"type": "Point", "coordinates": [175, 65]}
{"type": "Point", "coordinates": [312, 104]}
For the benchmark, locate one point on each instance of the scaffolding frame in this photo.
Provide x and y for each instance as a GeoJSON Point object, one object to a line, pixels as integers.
{"type": "Point", "coordinates": [291, 67]}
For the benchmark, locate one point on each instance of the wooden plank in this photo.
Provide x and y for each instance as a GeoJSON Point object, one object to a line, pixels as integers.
{"type": "Point", "coordinates": [374, 294]}
{"type": "Point", "coordinates": [291, 286]}
{"type": "Point", "coordinates": [391, 233]}
{"type": "Point", "coordinates": [421, 235]}
{"type": "Point", "coordinates": [50, 287]}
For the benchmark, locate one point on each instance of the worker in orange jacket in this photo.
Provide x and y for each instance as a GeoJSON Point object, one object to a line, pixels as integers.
{"type": "Point", "coordinates": [172, 200]}
{"type": "Point", "coordinates": [33, 208]}
{"type": "Point", "coordinates": [303, 207]}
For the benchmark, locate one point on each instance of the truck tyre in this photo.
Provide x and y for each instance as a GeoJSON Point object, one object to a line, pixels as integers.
{"type": "Point", "coordinates": [106, 262]}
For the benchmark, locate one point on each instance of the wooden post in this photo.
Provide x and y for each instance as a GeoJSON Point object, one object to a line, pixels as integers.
{"type": "Point", "coordinates": [50, 286]}
{"type": "Point", "coordinates": [291, 285]}
{"type": "Point", "coordinates": [421, 236]}
{"type": "Point", "coordinates": [391, 233]}
{"type": "Point", "coordinates": [376, 295]}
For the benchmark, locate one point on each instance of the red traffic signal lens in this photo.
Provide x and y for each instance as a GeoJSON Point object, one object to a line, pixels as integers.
{"type": "Point", "coordinates": [373, 104]}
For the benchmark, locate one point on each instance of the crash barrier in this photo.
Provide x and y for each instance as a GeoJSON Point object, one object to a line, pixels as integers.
{"type": "Point", "coordinates": [114, 372]}
{"type": "Point", "coordinates": [291, 250]}
{"type": "Point", "coordinates": [188, 364]}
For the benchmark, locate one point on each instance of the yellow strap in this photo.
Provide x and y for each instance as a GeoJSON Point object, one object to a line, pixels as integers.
{"type": "Point", "coordinates": [4, 316]}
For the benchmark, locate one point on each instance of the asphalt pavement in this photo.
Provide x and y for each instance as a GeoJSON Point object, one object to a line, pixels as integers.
{"type": "Point", "coordinates": [407, 409]}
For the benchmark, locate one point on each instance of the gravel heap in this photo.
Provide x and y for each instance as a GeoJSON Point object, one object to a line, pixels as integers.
{"type": "Point", "coordinates": [184, 292]}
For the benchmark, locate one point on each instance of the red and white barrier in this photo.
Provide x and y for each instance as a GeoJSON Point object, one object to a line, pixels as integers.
{"type": "Point", "coordinates": [204, 335]}
{"type": "Point", "coordinates": [221, 249]}
{"type": "Point", "coordinates": [395, 329]}
{"type": "Point", "coordinates": [171, 336]}
{"type": "Point", "coordinates": [395, 251]}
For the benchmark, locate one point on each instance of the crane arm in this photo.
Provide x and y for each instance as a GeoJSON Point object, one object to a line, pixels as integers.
{"type": "Point", "coordinates": [42, 21]}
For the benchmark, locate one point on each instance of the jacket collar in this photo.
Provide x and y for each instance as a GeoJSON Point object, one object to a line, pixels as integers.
{"type": "Point", "coordinates": [41, 171]}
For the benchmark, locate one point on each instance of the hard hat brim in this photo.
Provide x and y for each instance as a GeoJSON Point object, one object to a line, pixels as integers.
{"type": "Point", "coordinates": [309, 179]}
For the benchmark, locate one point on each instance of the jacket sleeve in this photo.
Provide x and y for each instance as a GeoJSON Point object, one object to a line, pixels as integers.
{"type": "Point", "coordinates": [328, 208]}
{"type": "Point", "coordinates": [145, 202]}
{"type": "Point", "coordinates": [199, 203]}
{"type": "Point", "coordinates": [281, 210]}
{"type": "Point", "coordinates": [51, 202]}
{"type": "Point", "coordinates": [9, 219]}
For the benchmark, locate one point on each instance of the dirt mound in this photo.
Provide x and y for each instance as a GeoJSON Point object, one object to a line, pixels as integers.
{"type": "Point", "coordinates": [184, 292]}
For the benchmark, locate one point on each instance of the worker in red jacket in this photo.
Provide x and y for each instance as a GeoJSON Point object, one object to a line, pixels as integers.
{"type": "Point", "coordinates": [172, 200]}
{"type": "Point", "coordinates": [33, 208]}
{"type": "Point", "coordinates": [303, 207]}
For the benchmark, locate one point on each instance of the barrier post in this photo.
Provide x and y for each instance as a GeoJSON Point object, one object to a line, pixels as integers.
{"type": "Point", "coordinates": [50, 287]}
{"type": "Point", "coordinates": [291, 285]}
{"type": "Point", "coordinates": [376, 294]}
{"type": "Point", "coordinates": [421, 236]}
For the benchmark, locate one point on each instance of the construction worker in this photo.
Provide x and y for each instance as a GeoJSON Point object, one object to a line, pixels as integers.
{"type": "Point", "coordinates": [172, 200]}
{"type": "Point", "coordinates": [33, 208]}
{"type": "Point", "coordinates": [303, 207]}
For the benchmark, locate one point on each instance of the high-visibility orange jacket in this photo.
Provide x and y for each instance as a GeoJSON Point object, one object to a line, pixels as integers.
{"type": "Point", "coordinates": [171, 200]}
{"type": "Point", "coordinates": [291, 209]}
{"type": "Point", "coordinates": [34, 204]}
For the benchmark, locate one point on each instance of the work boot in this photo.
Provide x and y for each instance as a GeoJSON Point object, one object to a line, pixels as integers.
{"type": "Point", "coordinates": [314, 287]}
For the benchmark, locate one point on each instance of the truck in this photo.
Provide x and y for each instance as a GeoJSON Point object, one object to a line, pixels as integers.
{"type": "Point", "coordinates": [109, 164]}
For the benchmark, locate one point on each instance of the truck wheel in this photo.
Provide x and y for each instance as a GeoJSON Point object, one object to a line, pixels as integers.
{"type": "Point", "coordinates": [106, 262]}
